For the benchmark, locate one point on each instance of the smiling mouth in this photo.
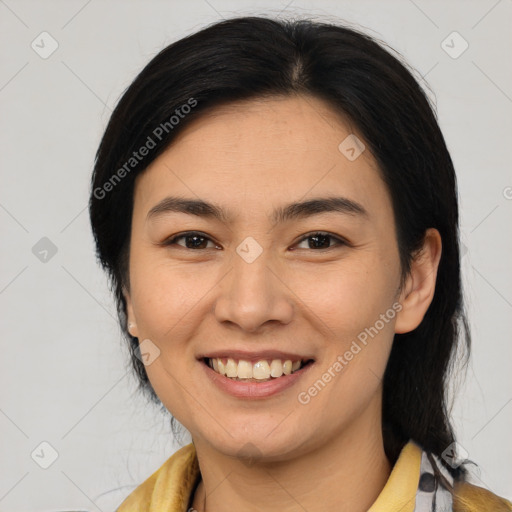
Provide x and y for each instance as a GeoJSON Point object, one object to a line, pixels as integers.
{"type": "Point", "coordinates": [263, 370]}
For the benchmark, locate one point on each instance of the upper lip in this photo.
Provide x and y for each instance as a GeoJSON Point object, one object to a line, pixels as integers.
{"type": "Point", "coordinates": [254, 356]}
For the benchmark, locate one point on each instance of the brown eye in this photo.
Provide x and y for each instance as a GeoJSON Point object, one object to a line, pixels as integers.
{"type": "Point", "coordinates": [321, 240]}
{"type": "Point", "coordinates": [193, 240]}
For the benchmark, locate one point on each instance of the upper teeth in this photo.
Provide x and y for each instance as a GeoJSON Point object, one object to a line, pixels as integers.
{"type": "Point", "coordinates": [260, 370]}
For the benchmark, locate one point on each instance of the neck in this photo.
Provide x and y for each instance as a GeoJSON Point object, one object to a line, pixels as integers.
{"type": "Point", "coordinates": [346, 474]}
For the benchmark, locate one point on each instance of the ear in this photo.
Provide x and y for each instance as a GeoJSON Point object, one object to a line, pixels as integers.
{"type": "Point", "coordinates": [418, 291]}
{"type": "Point", "coordinates": [132, 323]}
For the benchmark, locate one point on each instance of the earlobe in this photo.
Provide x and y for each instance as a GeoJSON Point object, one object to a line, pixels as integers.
{"type": "Point", "coordinates": [132, 324]}
{"type": "Point", "coordinates": [418, 291]}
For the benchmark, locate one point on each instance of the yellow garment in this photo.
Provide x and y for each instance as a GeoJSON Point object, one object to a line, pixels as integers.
{"type": "Point", "coordinates": [170, 488]}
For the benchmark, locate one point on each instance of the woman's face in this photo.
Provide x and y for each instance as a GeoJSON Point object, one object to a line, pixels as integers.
{"type": "Point", "coordinates": [257, 285]}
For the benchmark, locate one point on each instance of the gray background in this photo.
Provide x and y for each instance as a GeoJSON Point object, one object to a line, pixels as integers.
{"type": "Point", "coordinates": [64, 373]}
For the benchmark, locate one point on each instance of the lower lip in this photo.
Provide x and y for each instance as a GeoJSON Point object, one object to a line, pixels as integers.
{"type": "Point", "coordinates": [254, 390]}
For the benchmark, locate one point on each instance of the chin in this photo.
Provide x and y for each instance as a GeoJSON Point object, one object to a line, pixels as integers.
{"type": "Point", "coordinates": [261, 441]}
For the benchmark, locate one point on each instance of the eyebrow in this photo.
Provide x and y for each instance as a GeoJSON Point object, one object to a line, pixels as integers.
{"type": "Point", "coordinates": [291, 211]}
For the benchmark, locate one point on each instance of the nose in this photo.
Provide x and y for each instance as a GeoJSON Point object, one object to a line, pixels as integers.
{"type": "Point", "coordinates": [253, 294]}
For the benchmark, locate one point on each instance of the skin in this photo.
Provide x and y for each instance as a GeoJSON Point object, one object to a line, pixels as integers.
{"type": "Point", "coordinates": [251, 157]}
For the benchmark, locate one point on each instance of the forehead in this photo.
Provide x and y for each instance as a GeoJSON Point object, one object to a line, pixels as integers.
{"type": "Point", "coordinates": [277, 125]}
{"type": "Point", "coordinates": [258, 153]}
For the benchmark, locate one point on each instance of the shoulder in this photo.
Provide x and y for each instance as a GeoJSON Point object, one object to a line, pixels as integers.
{"type": "Point", "coordinates": [471, 498]}
{"type": "Point", "coordinates": [169, 487]}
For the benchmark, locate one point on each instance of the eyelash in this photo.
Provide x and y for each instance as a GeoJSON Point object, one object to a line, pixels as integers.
{"type": "Point", "coordinates": [339, 241]}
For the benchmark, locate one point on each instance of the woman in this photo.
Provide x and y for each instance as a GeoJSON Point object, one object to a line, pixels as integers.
{"type": "Point", "coordinates": [277, 210]}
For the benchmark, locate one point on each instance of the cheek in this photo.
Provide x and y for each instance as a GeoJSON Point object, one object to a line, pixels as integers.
{"type": "Point", "coordinates": [355, 304]}
{"type": "Point", "coordinates": [348, 296]}
{"type": "Point", "coordinates": [170, 304]}
{"type": "Point", "coordinates": [167, 296]}
{"type": "Point", "coordinates": [356, 346]}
